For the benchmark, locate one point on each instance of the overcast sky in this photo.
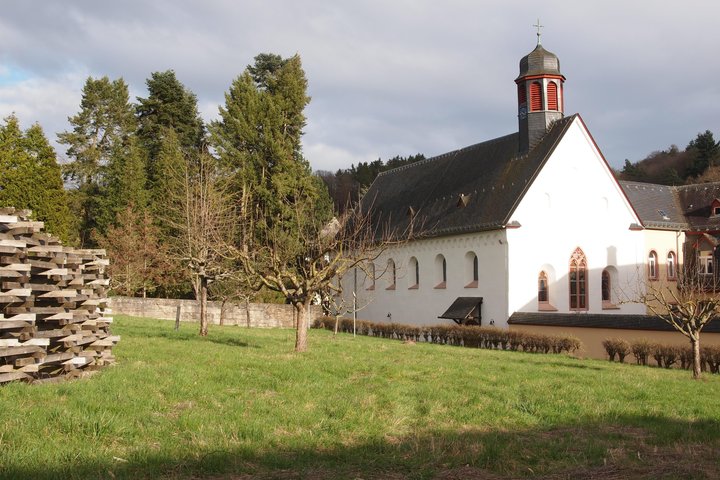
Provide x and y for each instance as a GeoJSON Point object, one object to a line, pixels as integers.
{"type": "Point", "coordinates": [386, 77]}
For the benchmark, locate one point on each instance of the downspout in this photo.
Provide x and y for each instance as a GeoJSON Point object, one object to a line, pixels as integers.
{"type": "Point", "coordinates": [507, 278]}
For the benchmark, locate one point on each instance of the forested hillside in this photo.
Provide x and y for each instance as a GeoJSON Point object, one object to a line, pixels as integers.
{"type": "Point", "coordinates": [699, 162]}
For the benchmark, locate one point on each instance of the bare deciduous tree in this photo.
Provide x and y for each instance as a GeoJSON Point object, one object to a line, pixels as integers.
{"type": "Point", "coordinates": [688, 306]}
{"type": "Point", "coordinates": [203, 215]}
{"type": "Point", "coordinates": [303, 263]}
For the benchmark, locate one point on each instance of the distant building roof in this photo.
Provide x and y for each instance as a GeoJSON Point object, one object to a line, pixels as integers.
{"type": "Point", "coordinates": [468, 190]}
{"type": "Point", "coordinates": [684, 207]}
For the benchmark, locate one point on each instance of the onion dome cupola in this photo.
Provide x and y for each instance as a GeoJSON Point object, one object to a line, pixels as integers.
{"type": "Point", "coordinates": [540, 95]}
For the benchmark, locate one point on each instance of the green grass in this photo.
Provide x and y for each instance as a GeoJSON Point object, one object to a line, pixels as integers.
{"type": "Point", "coordinates": [240, 402]}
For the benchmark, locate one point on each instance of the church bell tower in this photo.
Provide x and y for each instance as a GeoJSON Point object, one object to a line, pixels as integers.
{"type": "Point", "coordinates": [540, 94]}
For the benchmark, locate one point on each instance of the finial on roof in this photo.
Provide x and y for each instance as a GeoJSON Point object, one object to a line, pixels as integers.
{"type": "Point", "coordinates": [539, 26]}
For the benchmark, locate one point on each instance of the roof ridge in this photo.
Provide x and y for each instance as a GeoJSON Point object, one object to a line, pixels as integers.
{"type": "Point", "coordinates": [446, 154]}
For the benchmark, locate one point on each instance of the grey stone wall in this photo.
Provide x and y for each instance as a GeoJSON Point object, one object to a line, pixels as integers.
{"type": "Point", "coordinates": [263, 315]}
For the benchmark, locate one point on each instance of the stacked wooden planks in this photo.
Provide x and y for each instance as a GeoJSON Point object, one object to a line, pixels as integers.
{"type": "Point", "coordinates": [54, 315]}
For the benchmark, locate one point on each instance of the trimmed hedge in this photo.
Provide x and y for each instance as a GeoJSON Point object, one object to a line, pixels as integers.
{"type": "Point", "coordinates": [458, 335]}
{"type": "Point", "coordinates": [665, 356]}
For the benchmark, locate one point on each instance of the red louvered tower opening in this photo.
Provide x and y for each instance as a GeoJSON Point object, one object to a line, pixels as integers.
{"type": "Point", "coordinates": [535, 97]}
{"type": "Point", "coordinates": [552, 94]}
{"type": "Point", "coordinates": [522, 95]}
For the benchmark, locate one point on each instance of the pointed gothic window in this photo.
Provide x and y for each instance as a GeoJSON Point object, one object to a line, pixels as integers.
{"type": "Point", "coordinates": [552, 93]}
{"type": "Point", "coordinates": [535, 97]}
{"type": "Point", "coordinates": [578, 281]}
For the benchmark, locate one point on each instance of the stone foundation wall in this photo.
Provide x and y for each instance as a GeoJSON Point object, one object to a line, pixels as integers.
{"type": "Point", "coordinates": [261, 315]}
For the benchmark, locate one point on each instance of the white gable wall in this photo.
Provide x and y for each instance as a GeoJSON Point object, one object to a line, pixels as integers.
{"type": "Point", "coordinates": [574, 202]}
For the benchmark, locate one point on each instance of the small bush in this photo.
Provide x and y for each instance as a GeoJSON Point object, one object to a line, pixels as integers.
{"type": "Point", "coordinates": [710, 356]}
{"type": "Point", "coordinates": [460, 335]}
{"type": "Point", "coordinates": [641, 349]}
{"type": "Point", "coordinates": [616, 347]}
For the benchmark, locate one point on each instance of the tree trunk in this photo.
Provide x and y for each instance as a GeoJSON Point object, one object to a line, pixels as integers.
{"type": "Point", "coordinates": [247, 311]}
{"type": "Point", "coordinates": [337, 321]}
{"type": "Point", "coordinates": [303, 312]}
{"type": "Point", "coordinates": [695, 342]}
{"type": "Point", "coordinates": [203, 306]}
{"type": "Point", "coordinates": [222, 311]}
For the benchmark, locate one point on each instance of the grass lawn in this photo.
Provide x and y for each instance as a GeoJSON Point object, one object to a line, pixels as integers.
{"type": "Point", "coordinates": [239, 404]}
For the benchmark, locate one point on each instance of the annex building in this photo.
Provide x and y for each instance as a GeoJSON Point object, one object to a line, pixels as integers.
{"type": "Point", "coordinates": [532, 229]}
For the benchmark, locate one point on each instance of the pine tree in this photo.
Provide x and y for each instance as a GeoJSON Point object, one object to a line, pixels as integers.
{"type": "Point", "coordinates": [102, 133]}
{"type": "Point", "coordinates": [284, 208]}
{"type": "Point", "coordinates": [31, 178]}
{"type": "Point", "coordinates": [169, 109]}
{"type": "Point", "coordinates": [258, 139]}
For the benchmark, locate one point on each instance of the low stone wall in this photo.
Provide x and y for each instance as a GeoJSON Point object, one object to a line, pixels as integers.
{"type": "Point", "coordinates": [262, 315]}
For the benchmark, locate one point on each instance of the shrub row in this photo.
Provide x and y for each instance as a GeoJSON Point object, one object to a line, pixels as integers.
{"type": "Point", "coordinates": [459, 335]}
{"type": "Point", "coordinates": [664, 355]}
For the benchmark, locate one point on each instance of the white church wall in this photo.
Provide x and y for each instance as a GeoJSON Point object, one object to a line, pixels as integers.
{"type": "Point", "coordinates": [574, 202]}
{"type": "Point", "coordinates": [421, 304]}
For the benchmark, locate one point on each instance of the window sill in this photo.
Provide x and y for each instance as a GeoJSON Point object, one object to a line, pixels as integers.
{"type": "Point", "coordinates": [609, 306]}
{"type": "Point", "coordinates": [440, 286]}
{"type": "Point", "coordinates": [370, 288]}
{"type": "Point", "coordinates": [391, 287]}
{"type": "Point", "coordinates": [414, 287]}
{"type": "Point", "coordinates": [546, 307]}
{"type": "Point", "coordinates": [472, 284]}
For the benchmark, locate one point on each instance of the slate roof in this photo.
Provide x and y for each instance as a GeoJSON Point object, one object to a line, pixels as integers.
{"type": "Point", "coordinates": [695, 201]}
{"type": "Point", "coordinates": [658, 206]}
{"type": "Point", "coordinates": [539, 62]}
{"type": "Point", "coordinates": [596, 320]}
{"type": "Point", "coordinates": [492, 176]}
{"type": "Point", "coordinates": [685, 207]}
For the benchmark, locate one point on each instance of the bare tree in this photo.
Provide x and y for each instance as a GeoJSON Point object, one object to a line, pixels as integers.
{"type": "Point", "coordinates": [303, 263]}
{"type": "Point", "coordinates": [203, 215]}
{"type": "Point", "coordinates": [687, 306]}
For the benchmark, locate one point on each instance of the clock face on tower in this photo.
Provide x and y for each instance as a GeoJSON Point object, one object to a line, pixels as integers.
{"type": "Point", "coordinates": [522, 111]}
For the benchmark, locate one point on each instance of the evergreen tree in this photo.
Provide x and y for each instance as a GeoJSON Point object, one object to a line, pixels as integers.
{"type": "Point", "coordinates": [169, 109]}
{"type": "Point", "coordinates": [31, 177]}
{"type": "Point", "coordinates": [258, 141]}
{"type": "Point", "coordinates": [102, 133]}
{"type": "Point", "coordinates": [706, 151]}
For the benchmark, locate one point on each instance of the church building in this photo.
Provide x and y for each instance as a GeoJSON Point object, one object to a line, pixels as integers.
{"type": "Point", "coordinates": [531, 228]}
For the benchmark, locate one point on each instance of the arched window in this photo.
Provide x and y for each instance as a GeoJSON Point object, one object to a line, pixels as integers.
{"type": "Point", "coordinates": [552, 96]}
{"type": "Point", "coordinates": [440, 272]}
{"type": "Point", "coordinates": [370, 276]}
{"type": "Point", "coordinates": [671, 265]}
{"type": "Point", "coordinates": [543, 295]}
{"type": "Point", "coordinates": [652, 265]}
{"type": "Point", "coordinates": [536, 102]}
{"type": "Point", "coordinates": [392, 278]}
{"type": "Point", "coordinates": [472, 270]}
{"type": "Point", "coordinates": [578, 281]}
{"type": "Point", "coordinates": [415, 273]}
{"type": "Point", "coordinates": [606, 285]}
{"type": "Point", "coordinates": [522, 94]}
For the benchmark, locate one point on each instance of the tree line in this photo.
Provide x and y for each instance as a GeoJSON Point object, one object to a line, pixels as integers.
{"type": "Point", "coordinates": [229, 209]}
{"type": "Point", "coordinates": [698, 162]}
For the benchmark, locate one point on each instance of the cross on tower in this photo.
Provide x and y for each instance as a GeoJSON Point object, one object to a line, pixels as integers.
{"type": "Point", "coordinates": [538, 32]}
